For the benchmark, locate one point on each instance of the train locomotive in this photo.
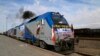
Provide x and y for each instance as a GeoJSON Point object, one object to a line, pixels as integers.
{"type": "Point", "coordinates": [50, 28]}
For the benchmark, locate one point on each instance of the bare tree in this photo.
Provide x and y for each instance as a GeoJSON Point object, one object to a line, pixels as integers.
{"type": "Point", "coordinates": [20, 13]}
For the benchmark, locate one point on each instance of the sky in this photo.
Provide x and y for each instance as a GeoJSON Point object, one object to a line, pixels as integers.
{"type": "Point", "coordinates": [80, 13]}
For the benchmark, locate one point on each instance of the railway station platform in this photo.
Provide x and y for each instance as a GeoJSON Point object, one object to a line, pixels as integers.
{"type": "Point", "coordinates": [12, 47]}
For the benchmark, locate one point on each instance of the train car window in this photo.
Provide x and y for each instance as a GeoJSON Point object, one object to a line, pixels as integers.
{"type": "Point", "coordinates": [14, 31]}
{"type": "Point", "coordinates": [22, 27]}
{"type": "Point", "coordinates": [18, 27]}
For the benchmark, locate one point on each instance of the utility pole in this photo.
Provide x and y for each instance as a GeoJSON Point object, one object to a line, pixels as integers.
{"type": "Point", "coordinates": [6, 22]}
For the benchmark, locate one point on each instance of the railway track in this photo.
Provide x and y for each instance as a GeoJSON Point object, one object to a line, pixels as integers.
{"type": "Point", "coordinates": [82, 54]}
{"type": "Point", "coordinates": [90, 38]}
{"type": "Point", "coordinates": [71, 53]}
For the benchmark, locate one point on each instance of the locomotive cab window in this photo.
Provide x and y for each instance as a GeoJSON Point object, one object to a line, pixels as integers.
{"type": "Point", "coordinates": [59, 19]}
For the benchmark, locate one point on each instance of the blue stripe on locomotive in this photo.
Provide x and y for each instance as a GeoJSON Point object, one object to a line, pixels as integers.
{"type": "Point", "coordinates": [49, 19]}
{"type": "Point", "coordinates": [29, 35]}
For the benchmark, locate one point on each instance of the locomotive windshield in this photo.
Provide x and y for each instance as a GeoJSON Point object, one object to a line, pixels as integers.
{"type": "Point", "coordinates": [59, 19]}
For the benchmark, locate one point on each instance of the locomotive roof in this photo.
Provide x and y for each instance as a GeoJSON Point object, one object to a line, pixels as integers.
{"type": "Point", "coordinates": [43, 16]}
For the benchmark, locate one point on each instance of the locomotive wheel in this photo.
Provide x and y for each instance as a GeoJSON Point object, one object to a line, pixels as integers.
{"type": "Point", "coordinates": [57, 48]}
{"type": "Point", "coordinates": [43, 44]}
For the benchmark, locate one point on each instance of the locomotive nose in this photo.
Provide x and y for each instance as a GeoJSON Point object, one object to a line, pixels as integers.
{"type": "Point", "coordinates": [64, 34]}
